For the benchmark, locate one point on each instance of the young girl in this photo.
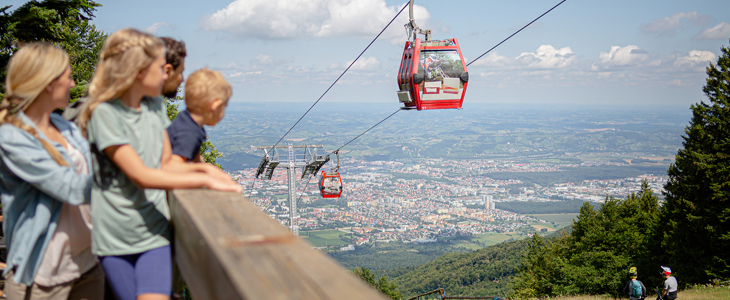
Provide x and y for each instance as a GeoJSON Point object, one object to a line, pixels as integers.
{"type": "Point", "coordinates": [45, 171]}
{"type": "Point", "coordinates": [126, 120]}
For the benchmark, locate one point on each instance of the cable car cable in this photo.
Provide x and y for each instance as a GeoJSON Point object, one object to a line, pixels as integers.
{"type": "Point", "coordinates": [518, 31]}
{"type": "Point", "coordinates": [250, 191]}
{"type": "Point", "coordinates": [366, 131]}
{"type": "Point", "coordinates": [305, 188]}
{"type": "Point", "coordinates": [338, 149]}
{"type": "Point", "coordinates": [343, 73]}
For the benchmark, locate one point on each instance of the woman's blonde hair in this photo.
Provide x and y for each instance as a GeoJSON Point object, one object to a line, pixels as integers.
{"type": "Point", "coordinates": [31, 69]}
{"type": "Point", "coordinates": [125, 53]}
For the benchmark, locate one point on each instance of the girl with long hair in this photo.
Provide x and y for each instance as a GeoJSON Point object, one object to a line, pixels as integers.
{"type": "Point", "coordinates": [45, 178]}
{"type": "Point", "coordinates": [126, 120]}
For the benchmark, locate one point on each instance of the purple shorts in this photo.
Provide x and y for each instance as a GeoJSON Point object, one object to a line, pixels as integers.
{"type": "Point", "coordinates": [131, 275]}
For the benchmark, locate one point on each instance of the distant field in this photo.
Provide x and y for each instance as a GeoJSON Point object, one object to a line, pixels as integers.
{"type": "Point", "coordinates": [493, 238]}
{"type": "Point", "coordinates": [323, 238]}
{"type": "Point", "coordinates": [561, 219]}
{"type": "Point", "coordinates": [541, 226]}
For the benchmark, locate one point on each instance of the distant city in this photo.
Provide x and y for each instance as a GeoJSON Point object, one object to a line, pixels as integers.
{"type": "Point", "coordinates": [380, 204]}
{"type": "Point", "coordinates": [425, 175]}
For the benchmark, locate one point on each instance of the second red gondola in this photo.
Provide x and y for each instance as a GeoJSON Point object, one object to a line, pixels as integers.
{"type": "Point", "coordinates": [330, 185]}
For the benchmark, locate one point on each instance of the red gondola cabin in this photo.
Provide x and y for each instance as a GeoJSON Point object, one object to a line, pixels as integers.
{"type": "Point", "coordinates": [432, 75]}
{"type": "Point", "coordinates": [331, 185]}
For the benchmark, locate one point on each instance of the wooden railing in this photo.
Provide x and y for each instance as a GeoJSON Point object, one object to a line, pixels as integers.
{"type": "Point", "coordinates": [227, 248]}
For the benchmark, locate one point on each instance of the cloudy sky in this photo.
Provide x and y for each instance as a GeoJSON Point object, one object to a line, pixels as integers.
{"type": "Point", "coordinates": [650, 52]}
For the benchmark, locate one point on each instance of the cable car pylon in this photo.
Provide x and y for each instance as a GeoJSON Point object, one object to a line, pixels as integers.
{"type": "Point", "coordinates": [310, 162]}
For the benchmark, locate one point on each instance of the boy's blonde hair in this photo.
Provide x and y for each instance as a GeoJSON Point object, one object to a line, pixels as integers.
{"type": "Point", "coordinates": [125, 53]}
{"type": "Point", "coordinates": [31, 69]}
{"type": "Point", "coordinates": [204, 86]}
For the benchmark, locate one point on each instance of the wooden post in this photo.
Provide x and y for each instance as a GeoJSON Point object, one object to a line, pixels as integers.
{"type": "Point", "coordinates": [227, 248]}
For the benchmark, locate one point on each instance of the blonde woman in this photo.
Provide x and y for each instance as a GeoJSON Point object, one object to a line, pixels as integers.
{"type": "Point", "coordinates": [126, 121]}
{"type": "Point", "coordinates": [44, 167]}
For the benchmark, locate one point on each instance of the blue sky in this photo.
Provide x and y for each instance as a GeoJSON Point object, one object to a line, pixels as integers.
{"type": "Point", "coordinates": [584, 52]}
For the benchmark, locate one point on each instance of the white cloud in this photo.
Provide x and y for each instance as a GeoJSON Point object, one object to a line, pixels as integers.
{"type": "Point", "coordinates": [260, 62]}
{"type": "Point", "coordinates": [668, 26]}
{"type": "Point", "coordinates": [286, 19]}
{"type": "Point", "coordinates": [242, 74]}
{"type": "Point", "coordinates": [694, 61]}
{"type": "Point", "coordinates": [547, 57]}
{"type": "Point", "coordinates": [232, 65]}
{"type": "Point", "coordinates": [677, 82]}
{"type": "Point", "coordinates": [265, 60]}
{"type": "Point", "coordinates": [156, 26]}
{"type": "Point", "coordinates": [365, 64]}
{"type": "Point", "coordinates": [717, 32]}
{"type": "Point", "coordinates": [695, 57]}
{"type": "Point", "coordinates": [629, 56]}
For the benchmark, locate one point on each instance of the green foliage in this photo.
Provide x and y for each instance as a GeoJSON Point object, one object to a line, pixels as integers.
{"type": "Point", "coordinates": [83, 46]}
{"type": "Point", "coordinates": [64, 23]}
{"type": "Point", "coordinates": [210, 153]}
{"type": "Point", "coordinates": [172, 107]}
{"type": "Point", "coordinates": [484, 272]}
{"type": "Point", "coordinates": [207, 149]}
{"type": "Point", "coordinates": [595, 256]}
{"type": "Point", "coordinates": [388, 288]}
{"type": "Point", "coordinates": [696, 217]}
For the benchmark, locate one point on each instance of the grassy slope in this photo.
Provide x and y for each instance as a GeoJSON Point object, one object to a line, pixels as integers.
{"type": "Point", "coordinates": [697, 293]}
{"type": "Point", "coordinates": [322, 238]}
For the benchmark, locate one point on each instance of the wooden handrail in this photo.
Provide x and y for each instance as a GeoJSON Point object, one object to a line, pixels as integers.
{"type": "Point", "coordinates": [227, 248]}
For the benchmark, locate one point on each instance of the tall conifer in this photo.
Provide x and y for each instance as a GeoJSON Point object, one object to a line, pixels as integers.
{"type": "Point", "coordinates": [695, 221]}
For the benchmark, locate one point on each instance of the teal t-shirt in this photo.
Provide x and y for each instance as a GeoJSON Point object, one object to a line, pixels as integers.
{"type": "Point", "coordinates": [127, 219]}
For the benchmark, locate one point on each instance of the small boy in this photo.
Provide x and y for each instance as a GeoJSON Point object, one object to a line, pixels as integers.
{"type": "Point", "coordinates": [206, 98]}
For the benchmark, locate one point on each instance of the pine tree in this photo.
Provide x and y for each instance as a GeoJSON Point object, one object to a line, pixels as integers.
{"type": "Point", "coordinates": [597, 254]}
{"type": "Point", "coordinates": [382, 284]}
{"type": "Point", "coordinates": [696, 217]}
{"type": "Point", "coordinates": [64, 23]}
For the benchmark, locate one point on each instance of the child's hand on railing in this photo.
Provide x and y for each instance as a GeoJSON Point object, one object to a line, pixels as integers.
{"type": "Point", "coordinates": [217, 173]}
{"type": "Point", "coordinates": [227, 185]}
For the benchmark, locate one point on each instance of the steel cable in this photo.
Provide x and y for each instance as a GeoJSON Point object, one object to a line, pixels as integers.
{"type": "Point", "coordinates": [330, 87]}
{"type": "Point", "coordinates": [518, 31]}
{"type": "Point", "coordinates": [343, 73]}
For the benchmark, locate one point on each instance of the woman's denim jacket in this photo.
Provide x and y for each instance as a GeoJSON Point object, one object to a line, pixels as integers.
{"type": "Point", "coordinates": [33, 187]}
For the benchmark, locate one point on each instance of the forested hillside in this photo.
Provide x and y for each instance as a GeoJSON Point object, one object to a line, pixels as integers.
{"type": "Point", "coordinates": [484, 272]}
{"type": "Point", "coordinates": [597, 254]}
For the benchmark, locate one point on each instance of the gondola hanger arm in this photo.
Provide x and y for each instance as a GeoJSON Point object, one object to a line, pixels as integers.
{"type": "Point", "coordinates": [412, 28]}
